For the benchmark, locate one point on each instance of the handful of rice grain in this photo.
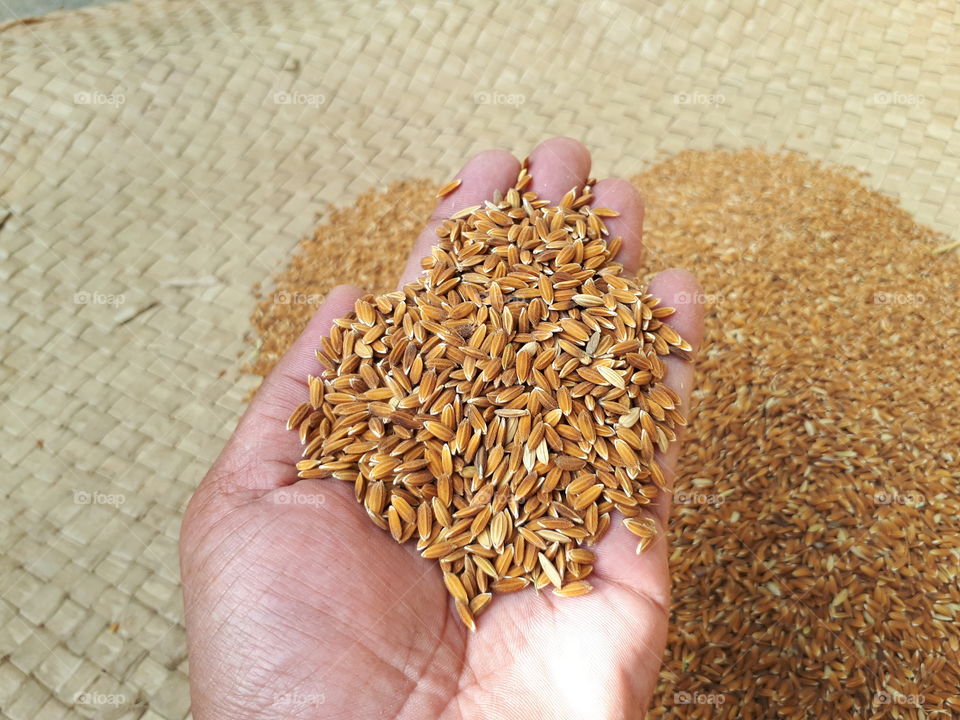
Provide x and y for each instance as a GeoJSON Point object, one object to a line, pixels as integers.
{"type": "Point", "coordinates": [498, 409]}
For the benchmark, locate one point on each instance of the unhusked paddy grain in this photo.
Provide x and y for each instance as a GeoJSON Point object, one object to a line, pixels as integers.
{"type": "Point", "coordinates": [448, 188]}
{"type": "Point", "coordinates": [814, 528]}
{"type": "Point", "coordinates": [445, 395]}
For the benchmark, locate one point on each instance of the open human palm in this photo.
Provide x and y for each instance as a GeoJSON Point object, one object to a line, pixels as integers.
{"type": "Point", "coordinates": [298, 607]}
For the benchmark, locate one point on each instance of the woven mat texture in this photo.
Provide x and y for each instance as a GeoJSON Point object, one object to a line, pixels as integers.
{"type": "Point", "coordinates": [158, 158]}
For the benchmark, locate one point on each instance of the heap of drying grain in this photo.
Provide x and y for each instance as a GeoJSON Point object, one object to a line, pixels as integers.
{"type": "Point", "coordinates": [499, 408]}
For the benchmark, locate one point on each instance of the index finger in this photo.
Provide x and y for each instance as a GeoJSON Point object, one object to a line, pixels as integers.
{"type": "Point", "coordinates": [483, 174]}
{"type": "Point", "coordinates": [620, 195]}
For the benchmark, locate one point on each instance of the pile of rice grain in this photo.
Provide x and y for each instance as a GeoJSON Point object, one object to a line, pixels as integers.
{"type": "Point", "coordinates": [815, 532]}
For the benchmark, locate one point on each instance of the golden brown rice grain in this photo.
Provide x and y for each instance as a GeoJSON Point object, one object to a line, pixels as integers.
{"type": "Point", "coordinates": [448, 188]}
{"type": "Point", "coordinates": [573, 589]}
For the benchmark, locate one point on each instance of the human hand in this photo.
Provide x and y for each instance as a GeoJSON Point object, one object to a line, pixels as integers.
{"type": "Point", "coordinates": [297, 606]}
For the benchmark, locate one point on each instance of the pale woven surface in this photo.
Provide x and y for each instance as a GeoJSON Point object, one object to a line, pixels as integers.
{"type": "Point", "coordinates": [200, 182]}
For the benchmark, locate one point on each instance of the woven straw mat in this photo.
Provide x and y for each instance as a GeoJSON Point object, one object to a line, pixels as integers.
{"type": "Point", "coordinates": [160, 158]}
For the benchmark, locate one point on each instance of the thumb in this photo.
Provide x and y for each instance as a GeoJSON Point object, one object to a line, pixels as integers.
{"type": "Point", "coordinates": [261, 453]}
